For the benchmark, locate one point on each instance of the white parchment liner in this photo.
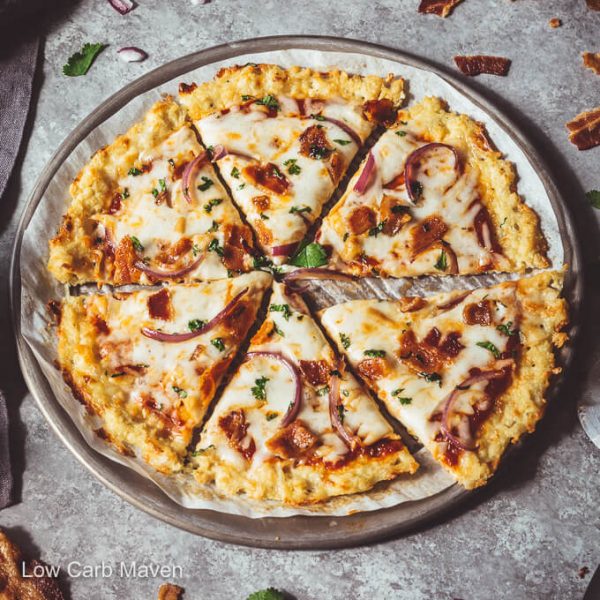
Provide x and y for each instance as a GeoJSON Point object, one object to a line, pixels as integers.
{"type": "Point", "coordinates": [38, 286]}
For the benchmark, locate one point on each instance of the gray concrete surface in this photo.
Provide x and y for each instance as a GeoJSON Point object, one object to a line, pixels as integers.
{"type": "Point", "coordinates": [530, 533]}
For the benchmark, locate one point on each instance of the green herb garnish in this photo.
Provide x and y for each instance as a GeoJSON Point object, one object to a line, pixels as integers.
{"type": "Point", "coordinates": [323, 391]}
{"type": "Point", "coordinates": [80, 62]}
{"type": "Point", "coordinates": [345, 339]}
{"type": "Point", "coordinates": [134, 171]}
{"type": "Point", "coordinates": [211, 203]}
{"type": "Point", "coordinates": [214, 247]}
{"type": "Point", "coordinates": [259, 389]}
{"type": "Point", "coordinates": [282, 308]}
{"type": "Point", "coordinates": [271, 415]}
{"type": "Point", "coordinates": [310, 256]}
{"type": "Point", "coordinates": [442, 261]}
{"type": "Point", "coordinates": [489, 346]}
{"type": "Point", "coordinates": [341, 412]}
{"type": "Point", "coordinates": [268, 594]}
{"type": "Point", "coordinates": [180, 392]}
{"type": "Point", "coordinates": [375, 231]}
{"type": "Point", "coordinates": [300, 209]}
{"type": "Point", "coordinates": [235, 172]}
{"type": "Point", "coordinates": [431, 377]}
{"type": "Point", "coordinates": [401, 133]}
{"type": "Point", "coordinates": [213, 227]}
{"type": "Point", "coordinates": [137, 245]}
{"type": "Point", "coordinates": [218, 344]}
{"type": "Point", "coordinates": [505, 328]}
{"type": "Point", "coordinates": [594, 197]}
{"type": "Point", "coordinates": [317, 117]}
{"type": "Point", "coordinates": [343, 142]}
{"type": "Point", "coordinates": [374, 353]}
{"type": "Point", "coordinates": [293, 166]}
{"type": "Point", "coordinates": [196, 324]}
{"type": "Point", "coordinates": [269, 101]}
{"type": "Point", "coordinates": [207, 183]}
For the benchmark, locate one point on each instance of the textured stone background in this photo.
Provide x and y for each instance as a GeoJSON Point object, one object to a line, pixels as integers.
{"type": "Point", "coordinates": [532, 530]}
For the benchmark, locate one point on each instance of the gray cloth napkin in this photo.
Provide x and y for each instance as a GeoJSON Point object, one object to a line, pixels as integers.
{"type": "Point", "coordinates": [17, 69]}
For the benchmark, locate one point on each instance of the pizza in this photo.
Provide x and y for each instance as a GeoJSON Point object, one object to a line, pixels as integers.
{"type": "Point", "coordinates": [148, 363]}
{"type": "Point", "coordinates": [294, 425]}
{"type": "Point", "coordinates": [464, 372]}
{"type": "Point", "coordinates": [432, 197]}
{"type": "Point", "coordinates": [149, 207]}
{"type": "Point", "coordinates": [283, 139]}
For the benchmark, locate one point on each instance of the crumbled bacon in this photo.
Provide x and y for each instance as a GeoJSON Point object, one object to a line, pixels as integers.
{"type": "Point", "coordinates": [169, 254]}
{"type": "Point", "coordinates": [429, 355]}
{"type": "Point", "coordinates": [441, 8]}
{"type": "Point", "coordinates": [100, 325]}
{"type": "Point", "coordinates": [593, 4]}
{"type": "Point", "coordinates": [476, 65]}
{"type": "Point", "coordinates": [262, 203]}
{"type": "Point", "coordinates": [362, 219]}
{"type": "Point", "coordinates": [115, 204]}
{"type": "Point", "coordinates": [235, 427]}
{"type": "Point", "coordinates": [159, 305]}
{"type": "Point", "coordinates": [237, 239]}
{"type": "Point", "coordinates": [382, 112]}
{"type": "Point", "coordinates": [335, 167]}
{"type": "Point", "coordinates": [314, 143]}
{"type": "Point", "coordinates": [185, 88]}
{"type": "Point", "coordinates": [170, 591]}
{"type": "Point", "coordinates": [424, 234]}
{"type": "Point", "coordinates": [372, 368]}
{"type": "Point", "coordinates": [268, 176]}
{"type": "Point", "coordinates": [294, 441]}
{"type": "Point", "coordinates": [125, 256]}
{"type": "Point", "coordinates": [411, 303]}
{"type": "Point", "coordinates": [585, 129]}
{"type": "Point", "coordinates": [591, 60]}
{"type": "Point", "coordinates": [479, 313]}
{"type": "Point", "coordinates": [555, 23]}
{"type": "Point", "coordinates": [316, 371]}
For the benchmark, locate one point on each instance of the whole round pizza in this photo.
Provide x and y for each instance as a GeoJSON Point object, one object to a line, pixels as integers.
{"type": "Point", "coordinates": [217, 206]}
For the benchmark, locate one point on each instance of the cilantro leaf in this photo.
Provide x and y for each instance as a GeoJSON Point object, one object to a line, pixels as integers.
{"type": "Point", "coordinates": [491, 347]}
{"type": "Point", "coordinates": [268, 594]}
{"type": "Point", "coordinates": [80, 62]}
{"type": "Point", "coordinates": [282, 308]}
{"type": "Point", "coordinates": [259, 389]}
{"type": "Point", "coordinates": [374, 353]}
{"type": "Point", "coordinates": [345, 339]}
{"type": "Point", "coordinates": [594, 197]}
{"type": "Point", "coordinates": [442, 261]}
{"type": "Point", "coordinates": [310, 255]}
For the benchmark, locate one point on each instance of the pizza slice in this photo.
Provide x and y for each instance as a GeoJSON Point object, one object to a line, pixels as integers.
{"type": "Point", "coordinates": [464, 372]}
{"type": "Point", "coordinates": [432, 197]}
{"type": "Point", "coordinates": [283, 139]}
{"type": "Point", "coordinates": [148, 363]}
{"type": "Point", "coordinates": [149, 207]}
{"type": "Point", "coordinates": [294, 425]}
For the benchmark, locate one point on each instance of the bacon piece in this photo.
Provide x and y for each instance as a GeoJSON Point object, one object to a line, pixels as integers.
{"type": "Point", "coordinates": [185, 88]}
{"type": "Point", "coordinates": [372, 368]}
{"type": "Point", "coordinates": [451, 346]}
{"type": "Point", "coordinates": [294, 441]}
{"type": "Point", "coordinates": [159, 305]}
{"type": "Point", "coordinates": [479, 313]}
{"type": "Point", "coordinates": [335, 167]}
{"type": "Point", "coordinates": [555, 23]}
{"type": "Point", "coordinates": [429, 355]}
{"type": "Point", "coordinates": [593, 4]}
{"type": "Point", "coordinates": [234, 426]}
{"type": "Point", "coordinates": [314, 143]}
{"type": "Point", "coordinates": [169, 254]}
{"type": "Point", "coordinates": [591, 60]}
{"type": "Point", "coordinates": [426, 233]}
{"type": "Point", "coordinates": [262, 203]}
{"type": "Point", "coordinates": [268, 176]}
{"type": "Point", "coordinates": [316, 371]}
{"type": "Point", "coordinates": [237, 238]}
{"type": "Point", "coordinates": [382, 112]}
{"type": "Point", "coordinates": [411, 303]}
{"type": "Point", "coordinates": [170, 591]}
{"type": "Point", "coordinates": [115, 204]}
{"type": "Point", "coordinates": [585, 129]}
{"type": "Point", "coordinates": [393, 215]}
{"type": "Point", "coordinates": [476, 65]}
{"type": "Point", "coordinates": [441, 8]}
{"type": "Point", "coordinates": [125, 256]}
{"type": "Point", "coordinates": [362, 219]}
{"type": "Point", "coordinates": [100, 325]}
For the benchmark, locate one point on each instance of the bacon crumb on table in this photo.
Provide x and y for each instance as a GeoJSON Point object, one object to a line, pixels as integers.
{"type": "Point", "coordinates": [591, 60]}
{"type": "Point", "coordinates": [585, 129]}
{"type": "Point", "coordinates": [476, 65]}
{"type": "Point", "coordinates": [170, 591]}
{"type": "Point", "coordinates": [554, 23]}
{"type": "Point", "coordinates": [593, 4]}
{"type": "Point", "coordinates": [441, 8]}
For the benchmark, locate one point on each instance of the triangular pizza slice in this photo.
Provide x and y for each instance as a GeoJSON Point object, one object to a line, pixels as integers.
{"type": "Point", "coordinates": [149, 207]}
{"type": "Point", "coordinates": [432, 197]}
{"type": "Point", "coordinates": [148, 363]}
{"type": "Point", "coordinates": [294, 425]}
{"type": "Point", "coordinates": [283, 139]}
{"type": "Point", "coordinates": [464, 372]}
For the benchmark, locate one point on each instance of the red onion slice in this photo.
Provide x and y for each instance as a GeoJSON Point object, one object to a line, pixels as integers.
{"type": "Point", "coordinates": [348, 438]}
{"type": "Point", "coordinates": [122, 6]}
{"type": "Point", "coordinates": [467, 444]}
{"type": "Point", "coordinates": [294, 408]}
{"type": "Point", "coordinates": [284, 249]}
{"type": "Point", "coordinates": [159, 274]}
{"type": "Point", "coordinates": [346, 129]}
{"type": "Point", "coordinates": [132, 54]}
{"type": "Point", "coordinates": [189, 174]}
{"type": "Point", "coordinates": [411, 166]}
{"type": "Point", "coordinates": [175, 338]}
{"type": "Point", "coordinates": [316, 273]}
{"type": "Point", "coordinates": [219, 152]}
{"type": "Point", "coordinates": [364, 180]}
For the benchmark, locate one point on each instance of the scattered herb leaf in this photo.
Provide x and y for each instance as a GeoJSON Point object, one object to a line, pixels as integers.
{"type": "Point", "coordinates": [80, 62]}
{"type": "Point", "coordinates": [310, 256]}
{"type": "Point", "coordinates": [259, 388]}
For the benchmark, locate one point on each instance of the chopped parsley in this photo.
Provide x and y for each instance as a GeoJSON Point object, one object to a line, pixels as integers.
{"type": "Point", "coordinates": [235, 173]}
{"type": "Point", "coordinates": [401, 133]}
{"type": "Point", "coordinates": [246, 97]}
{"type": "Point", "coordinates": [180, 392]}
{"type": "Point", "coordinates": [489, 346]}
{"type": "Point", "coordinates": [293, 168]}
{"type": "Point", "coordinates": [214, 247]}
{"type": "Point", "coordinates": [80, 62]}
{"type": "Point", "coordinates": [137, 245]}
{"type": "Point", "coordinates": [241, 186]}
{"type": "Point", "coordinates": [505, 328]}
{"type": "Point", "coordinates": [375, 231]}
{"type": "Point", "coordinates": [271, 415]}
{"type": "Point", "coordinates": [207, 182]}
{"type": "Point", "coordinates": [134, 171]}
{"type": "Point", "coordinates": [282, 308]}
{"type": "Point", "coordinates": [442, 261]}
{"type": "Point", "coordinates": [417, 189]}
{"type": "Point", "coordinates": [125, 193]}
{"type": "Point", "coordinates": [374, 353]}
{"type": "Point", "coordinates": [119, 374]}
{"type": "Point", "coordinates": [594, 197]}
{"type": "Point", "coordinates": [268, 594]}
{"type": "Point", "coordinates": [218, 344]}
{"type": "Point", "coordinates": [431, 377]}
{"type": "Point", "coordinates": [213, 227]}
{"type": "Point", "coordinates": [341, 412]}
{"type": "Point", "coordinates": [346, 236]}
{"type": "Point", "coordinates": [318, 152]}
{"type": "Point", "coordinates": [310, 255]}
{"type": "Point", "coordinates": [317, 117]}
{"type": "Point", "coordinates": [402, 399]}
{"type": "Point", "coordinates": [211, 203]}
{"type": "Point", "coordinates": [277, 330]}
{"type": "Point", "coordinates": [323, 391]}
{"type": "Point", "coordinates": [300, 209]}
{"type": "Point", "coordinates": [195, 249]}
{"type": "Point", "coordinates": [162, 187]}
{"type": "Point", "coordinates": [269, 101]}
{"type": "Point", "coordinates": [343, 142]}
{"type": "Point", "coordinates": [259, 388]}
{"type": "Point", "coordinates": [196, 324]}
{"type": "Point", "coordinates": [202, 450]}
{"type": "Point", "coordinates": [264, 217]}
{"type": "Point", "coordinates": [345, 339]}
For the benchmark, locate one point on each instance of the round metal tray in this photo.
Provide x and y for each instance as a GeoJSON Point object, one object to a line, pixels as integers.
{"type": "Point", "coordinates": [298, 532]}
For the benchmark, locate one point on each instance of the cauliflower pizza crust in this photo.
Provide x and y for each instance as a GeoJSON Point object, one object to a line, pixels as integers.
{"type": "Point", "coordinates": [150, 207]}
{"type": "Point", "coordinates": [148, 364]}
{"type": "Point", "coordinates": [433, 197]}
{"type": "Point", "coordinates": [465, 372]}
{"type": "Point", "coordinates": [264, 441]}
{"type": "Point", "coordinates": [283, 139]}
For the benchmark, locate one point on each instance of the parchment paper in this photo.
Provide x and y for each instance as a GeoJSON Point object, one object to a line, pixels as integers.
{"type": "Point", "coordinates": [38, 287]}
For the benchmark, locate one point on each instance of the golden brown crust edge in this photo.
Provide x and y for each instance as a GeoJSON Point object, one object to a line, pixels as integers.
{"type": "Point", "coordinates": [517, 226]}
{"type": "Point", "coordinates": [258, 80]}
